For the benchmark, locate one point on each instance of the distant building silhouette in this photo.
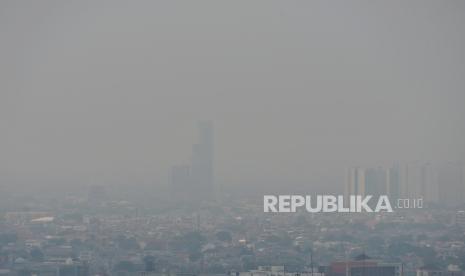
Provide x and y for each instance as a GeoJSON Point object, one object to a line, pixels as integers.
{"type": "Point", "coordinates": [442, 184]}
{"type": "Point", "coordinates": [202, 161]}
{"type": "Point", "coordinates": [369, 181]}
{"type": "Point", "coordinates": [419, 181]}
{"type": "Point", "coordinates": [195, 182]}
{"type": "Point", "coordinates": [393, 181]}
{"type": "Point", "coordinates": [355, 182]}
{"type": "Point", "coordinates": [375, 182]}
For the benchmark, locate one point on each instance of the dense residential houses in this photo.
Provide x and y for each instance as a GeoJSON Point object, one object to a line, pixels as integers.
{"type": "Point", "coordinates": [227, 239]}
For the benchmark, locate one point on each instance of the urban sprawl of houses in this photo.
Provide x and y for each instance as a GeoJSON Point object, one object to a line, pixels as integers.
{"type": "Point", "coordinates": [97, 235]}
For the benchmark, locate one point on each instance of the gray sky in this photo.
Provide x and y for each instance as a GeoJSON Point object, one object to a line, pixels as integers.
{"type": "Point", "coordinates": [298, 90]}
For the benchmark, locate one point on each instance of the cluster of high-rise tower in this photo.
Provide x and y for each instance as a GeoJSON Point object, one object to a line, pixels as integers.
{"type": "Point", "coordinates": [195, 181]}
{"type": "Point", "coordinates": [442, 184]}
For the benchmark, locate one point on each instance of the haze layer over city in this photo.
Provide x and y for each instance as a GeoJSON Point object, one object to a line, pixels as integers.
{"type": "Point", "coordinates": [232, 138]}
{"type": "Point", "coordinates": [111, 92]}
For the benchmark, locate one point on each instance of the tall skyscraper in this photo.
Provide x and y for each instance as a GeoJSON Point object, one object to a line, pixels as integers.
{"type": "Point", "coordinates": [375, 181]}
{"type": "Point", "coordinates": [419, 180]}
{"type": "Point", "coordinates": [195, 182]}
{"type": "Point", "coordinates": [355, 182]}
{"type": "Point", "coordinates": [430, 179]}
{"type": "Point", "coordinates": [393, 181]}
{"type": "Point", "coordinates": [202, 161]}
{"type": "Point", "coordinates": [413, 181]}
{"type": "Point", "coordinates": [366, 181]}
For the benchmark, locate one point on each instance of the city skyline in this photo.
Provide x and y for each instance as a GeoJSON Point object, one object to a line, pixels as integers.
{"type": "Point", "coordinates": [441, 183]}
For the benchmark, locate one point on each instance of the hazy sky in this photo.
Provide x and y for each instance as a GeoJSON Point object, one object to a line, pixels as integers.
{"type": "Point", "coordinates": [298, 90]}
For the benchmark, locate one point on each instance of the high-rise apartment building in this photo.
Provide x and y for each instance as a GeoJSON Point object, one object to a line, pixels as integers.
{"type": "Point", "coordinates": [355, 182]}
{"type": "Point", "coordinates": [442, 184]}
